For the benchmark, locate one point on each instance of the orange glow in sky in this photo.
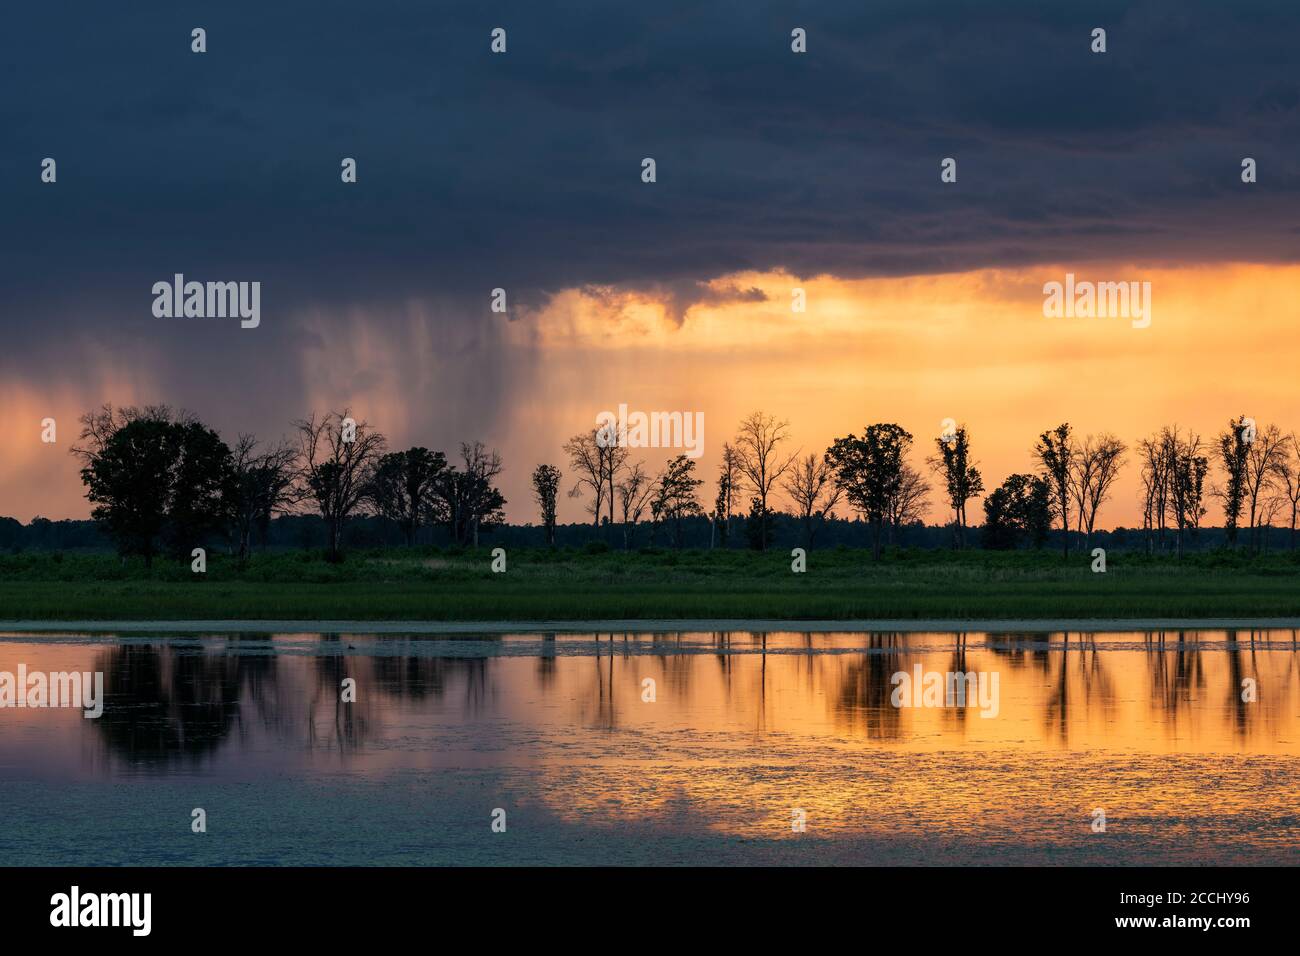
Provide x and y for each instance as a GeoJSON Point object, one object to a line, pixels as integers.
{"type": "Point", "coordinates": [974, 347]}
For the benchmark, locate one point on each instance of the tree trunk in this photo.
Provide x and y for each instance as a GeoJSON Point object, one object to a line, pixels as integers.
{"type": "Point", "coordinates": [1065, 533]}
{"type": "Point", "coordinates": [611, 500]}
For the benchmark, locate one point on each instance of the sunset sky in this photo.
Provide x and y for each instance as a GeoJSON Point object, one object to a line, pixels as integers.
{"type": "Point", "coordinates": [775, 171]}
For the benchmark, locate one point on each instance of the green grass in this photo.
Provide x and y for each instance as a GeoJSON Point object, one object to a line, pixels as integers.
{"type": "Point", "coordinates": [428, 584]}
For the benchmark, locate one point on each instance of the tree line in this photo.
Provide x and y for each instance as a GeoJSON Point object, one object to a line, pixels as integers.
{"type": "Point", "coordinates": [1254, 472]}
{"type": "Point", "coordinates": [160, 481]}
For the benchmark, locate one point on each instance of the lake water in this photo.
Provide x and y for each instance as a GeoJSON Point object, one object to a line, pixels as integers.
{"type": "Point", "coordinates": [746, 735]}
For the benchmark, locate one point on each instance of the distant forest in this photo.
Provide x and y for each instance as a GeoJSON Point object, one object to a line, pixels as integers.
{"type": "Point", "coordinates": [163, 483]}
{"type": "Point", "coordinates": [298, 532]}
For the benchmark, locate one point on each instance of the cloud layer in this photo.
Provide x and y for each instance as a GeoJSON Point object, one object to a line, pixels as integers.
{"type": "Point", "coordinates": [522, 171]}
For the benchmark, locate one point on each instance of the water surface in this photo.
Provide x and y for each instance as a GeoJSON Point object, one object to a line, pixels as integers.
{"type": "Point", "coordinates": [744, 729]}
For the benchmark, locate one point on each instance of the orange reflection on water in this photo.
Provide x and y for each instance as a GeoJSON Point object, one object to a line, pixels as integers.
{"type": "Point", "coordinates": [743, 730]}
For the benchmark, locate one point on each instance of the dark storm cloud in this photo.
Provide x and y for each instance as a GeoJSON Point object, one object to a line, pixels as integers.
{"type": "Point", "coordinates": [523, 170]}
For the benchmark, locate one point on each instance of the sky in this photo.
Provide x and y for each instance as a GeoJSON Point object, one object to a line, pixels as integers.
{"type": "Point", "coordinates": [522, 170]}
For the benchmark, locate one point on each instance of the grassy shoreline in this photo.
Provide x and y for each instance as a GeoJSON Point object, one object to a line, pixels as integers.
{"type": "Point", "coordinates": [425, 584]}
{"type": "Point", "coordinates": [1237, 630]}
